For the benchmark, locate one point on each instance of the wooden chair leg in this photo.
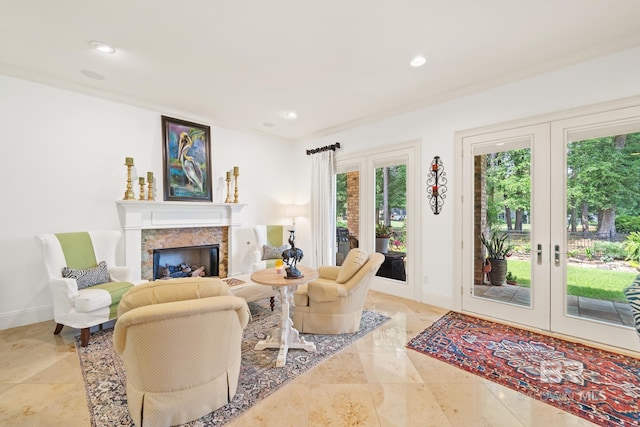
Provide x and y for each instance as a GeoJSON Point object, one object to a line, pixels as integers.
{"type": "Point", "coordinates": [59, 327]}
{"type": "Point", "coordinates": [84, 337]}
{"type": "Point", "coordinates": [272, 301]}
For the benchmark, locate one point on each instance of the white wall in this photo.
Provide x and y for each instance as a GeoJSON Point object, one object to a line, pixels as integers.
{"type": "Point", "coordinates": [604, 79]}
{"type": "Point", "coordinates": [62, 169]}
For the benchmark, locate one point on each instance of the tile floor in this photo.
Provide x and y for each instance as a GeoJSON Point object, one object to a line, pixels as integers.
{"type": "Point", "coordinates": [374, 382]}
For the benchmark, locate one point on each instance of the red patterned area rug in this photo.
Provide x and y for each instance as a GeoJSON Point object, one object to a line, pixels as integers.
{"type": "Point", "coordinates": [597, 385]}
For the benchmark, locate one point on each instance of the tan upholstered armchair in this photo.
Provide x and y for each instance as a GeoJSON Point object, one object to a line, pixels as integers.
{"type": "Point", "coordinates": [333, 303]}
{"type": "Point", "coordinates": [180, 340]}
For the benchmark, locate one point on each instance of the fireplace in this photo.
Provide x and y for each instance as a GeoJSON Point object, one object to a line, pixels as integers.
{"type": "Point", "coordinates": [153, 225]}
{"type": "Point", "coordinates": [175, 243]}
{"type": "Point", "coordinates": [188, 261]}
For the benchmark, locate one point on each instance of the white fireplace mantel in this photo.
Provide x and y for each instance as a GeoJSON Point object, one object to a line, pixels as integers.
{"type": "Point", "coordinates": [138, 215]}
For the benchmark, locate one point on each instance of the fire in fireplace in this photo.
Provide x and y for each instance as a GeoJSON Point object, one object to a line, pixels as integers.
{"type": "Point", "coordinates": [186, 261]}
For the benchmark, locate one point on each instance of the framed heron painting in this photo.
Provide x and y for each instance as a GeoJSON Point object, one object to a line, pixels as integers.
{"type": "Point", "coordinates": [187, 160]}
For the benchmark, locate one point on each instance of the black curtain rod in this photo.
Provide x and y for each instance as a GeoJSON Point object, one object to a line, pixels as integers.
{"type": "Point", "coordinates": [325, 148]}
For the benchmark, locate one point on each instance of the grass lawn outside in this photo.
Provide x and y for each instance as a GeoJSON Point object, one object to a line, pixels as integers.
{"type": "Point", "coordinates": [584, 282]}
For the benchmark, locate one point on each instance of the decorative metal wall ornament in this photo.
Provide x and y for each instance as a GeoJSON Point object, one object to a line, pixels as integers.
{"type": "Point", "coordinates": [436, 185]}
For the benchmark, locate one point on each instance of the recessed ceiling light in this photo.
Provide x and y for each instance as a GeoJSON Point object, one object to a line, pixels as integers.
{"type": "Point", "coordinates": [92, 75]}
{"type": "Point", "coordinates": [418, 61]}
{"type": "Point", "coordinates": [101, 47]}
{"type": "Point", "coordinates": [292, 115]}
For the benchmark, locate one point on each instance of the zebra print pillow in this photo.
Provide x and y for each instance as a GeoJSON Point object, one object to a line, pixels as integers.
{"type": "Point", "coordinates": [89, 277]}
{"type": "Point", "coordinates": [633, 296]}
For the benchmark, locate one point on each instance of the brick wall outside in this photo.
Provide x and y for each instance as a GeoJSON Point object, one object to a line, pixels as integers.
{"type": "Point", "coordinates": [479, 216]}
{"type": "Point", "coordinates": [353, 203]}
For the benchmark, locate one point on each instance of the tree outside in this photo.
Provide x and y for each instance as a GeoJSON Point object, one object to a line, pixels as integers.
{"type": "Point", "coordinates": [602, 185]}
{"type": "Point", "coordinates": [603, 203]}
{"type": "Point", "coordinates": [602, 182]}
{"type": "Point", "coordinates": [391, 203]}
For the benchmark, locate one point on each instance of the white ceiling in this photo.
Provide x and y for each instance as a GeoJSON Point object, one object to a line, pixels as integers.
{"type": "Point", "coordinates": [245, 63]}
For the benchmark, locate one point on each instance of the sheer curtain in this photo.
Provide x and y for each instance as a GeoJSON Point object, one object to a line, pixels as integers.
{"type": "Point", "coordinates": [323, 207]}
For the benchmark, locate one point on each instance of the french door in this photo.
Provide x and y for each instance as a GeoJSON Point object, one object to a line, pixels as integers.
{"type": "Point", "coordinates": [550, 193]}
{"type": "Point", "coordinates": [489, 161]}
{"type": "Point", "coordinates": [596, 153]}
{"type": "Point", "coordinates": [360, 195]}
{"type": "Point", "coordinates": [396, 275]}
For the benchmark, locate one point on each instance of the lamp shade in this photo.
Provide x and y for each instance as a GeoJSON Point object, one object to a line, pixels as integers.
{"type": "Point", "coordinates": [295, 211]}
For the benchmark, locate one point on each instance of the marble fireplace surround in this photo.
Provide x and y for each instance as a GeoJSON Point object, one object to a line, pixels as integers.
{"type": "Point", "coordinates": [195, 222]}
{"type": "Point", "coordinates": [180, 238]}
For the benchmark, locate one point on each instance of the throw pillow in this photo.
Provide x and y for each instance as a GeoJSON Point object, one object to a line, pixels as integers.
{"type": "Point", "coordinates": [88, 277]}
{"type": "Point", "coordinates": [272, 252]}
{"type": "Point", "coordinates": [355, 259]}
{"type": "Point", "coordinates": [632, 293]}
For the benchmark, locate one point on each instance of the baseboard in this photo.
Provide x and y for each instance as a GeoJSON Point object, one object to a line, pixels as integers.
{"type": "Point", "coordinates": [14, 319]}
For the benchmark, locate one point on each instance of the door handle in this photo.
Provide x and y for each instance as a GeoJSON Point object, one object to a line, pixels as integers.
{"type": "Point", "coordinates": [557, 255]}
{"type": "Point", "coordinates": [539, 252]}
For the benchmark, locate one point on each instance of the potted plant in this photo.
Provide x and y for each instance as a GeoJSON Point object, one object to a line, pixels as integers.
{"type": "Point", "coordinates": [511, 278]}
{"type": "Point", "coordinates": [498, 249]}
{"type": "Point", "coordinates": [383, 233]}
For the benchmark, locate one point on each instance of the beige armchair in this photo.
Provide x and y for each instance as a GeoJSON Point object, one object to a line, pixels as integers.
{"type": "Point", "coordinates": [333, 303]}
{"type": "Point", "coordinates": [181, 344]}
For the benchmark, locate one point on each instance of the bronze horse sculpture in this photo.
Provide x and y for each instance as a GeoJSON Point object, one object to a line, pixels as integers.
{"type": "Point", "coordinates": [291, 257]}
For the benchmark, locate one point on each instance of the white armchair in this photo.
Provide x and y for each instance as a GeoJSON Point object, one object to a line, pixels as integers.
{"type": "Point", "coordinates": [81, 252]}
{"type": "Point", "coordinates": [271, 241]}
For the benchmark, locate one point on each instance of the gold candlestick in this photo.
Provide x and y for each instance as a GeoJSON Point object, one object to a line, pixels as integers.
{"type": "Point", "coordinates": [128, 195]}
{"type": "Point", "coordinates": [236, 174]}
{"type": "Point", "coordinates": [150, 182]}
{"type": "Point", "coordinates": [141, 182]}
{"type": "Point", "coordinates": [228, 179]}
